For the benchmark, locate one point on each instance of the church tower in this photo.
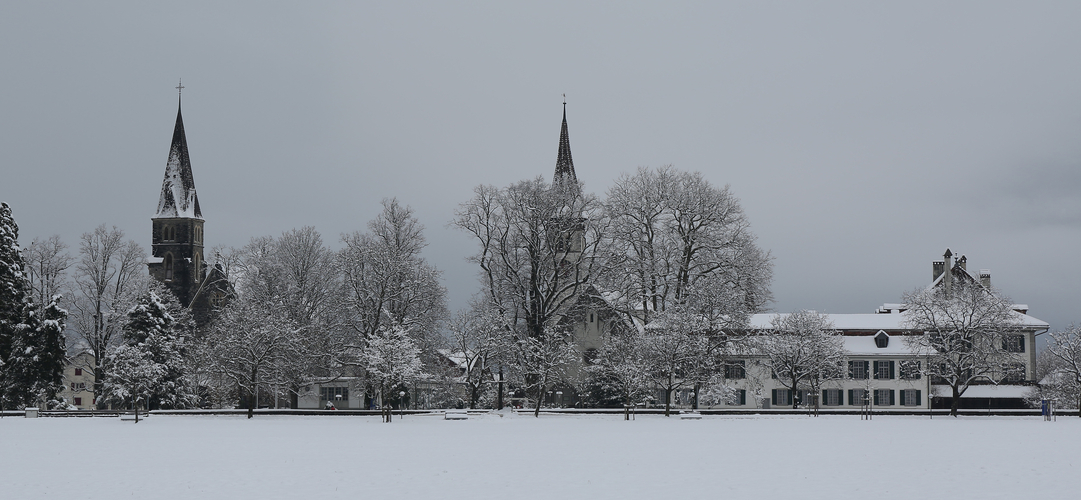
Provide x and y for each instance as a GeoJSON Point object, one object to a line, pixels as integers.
{"type": "Point", "coordinates": [569, 223]}
{"type": "Point", "coordinates": [564, 163]}
{"type": "Point", "coordinates": [178, 224]}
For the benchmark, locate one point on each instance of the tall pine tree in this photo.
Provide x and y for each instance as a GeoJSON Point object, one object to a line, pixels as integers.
{"type": "Point", "coordinates": [14, 291]}
{"type": "Point", "coordinates": [36, 365]}
{"type": "Point", "coordinates": [32, 353]}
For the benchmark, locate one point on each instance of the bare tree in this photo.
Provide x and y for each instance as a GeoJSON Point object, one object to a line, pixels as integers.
{"type": "Point", "coordinates": [540, 245]}
{"type": "Point", "coordinates": [249, 343]}
{"type": "Point", "coordinates": [962, 327]}
{"type": "Point", "coordinates": [47, 261]}
{"type": "Point", "coordinates": [804, 351]}
{"type": "Point", "coordinates": [672, 350]}
{"type": "Point", "coordinates": [299, 275]}
{"type": "Point", "coordinates": [1065, 349]}
{"type": "Point", "coordinates": [387, 282]}
{"type": "Point", "coordinates": [477, 338]}
{"type": "Point", "coordinates": [542, 362]}
{"type": "Point", "coordinates": [391, 358]}
{"type": "Point", "coordinates": [671, 230]}
{"type": "Point", "coordinates": [110, 274]}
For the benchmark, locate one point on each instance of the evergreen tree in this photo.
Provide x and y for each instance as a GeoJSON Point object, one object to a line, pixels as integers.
{"type": "Point", "coordinates": [151, 362]}
{"type": "Point", "coordinates": [35, 367]}
{"type": "Point", "coordinates": [14, 291]}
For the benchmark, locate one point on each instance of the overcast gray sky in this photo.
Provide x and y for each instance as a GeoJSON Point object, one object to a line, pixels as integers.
{"type": "Point", "coordinates": [863, 138]}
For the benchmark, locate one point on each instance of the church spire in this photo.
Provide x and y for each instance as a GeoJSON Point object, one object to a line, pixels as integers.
{"type": "Point", "coordinates": [564, 163]}
{"type": "Point", "coordinates": [178, 198]}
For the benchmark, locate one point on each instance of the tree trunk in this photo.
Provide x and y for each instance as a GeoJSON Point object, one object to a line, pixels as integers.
{"type": "Point", "coordinates": [473, 396]}
{"type": "Point", "coordinates": [251, 394]}
{"type": "Point", "coordinates": [540, 395]}
{"type": "Point", "coordinates": [668, 400]}
{"type": "Point", "coordinates": [956, 401]}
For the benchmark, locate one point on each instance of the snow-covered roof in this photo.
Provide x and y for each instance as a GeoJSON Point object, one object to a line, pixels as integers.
{"type": "Point", "coordinates": [178, 197]}
{"type": "Point", "coordinates": [886, 321]}
{"type": "Point", "coordinates": [865, 345]}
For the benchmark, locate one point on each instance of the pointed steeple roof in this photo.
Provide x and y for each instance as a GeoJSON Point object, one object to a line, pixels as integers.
{"type": "Point", "coordinates": [564, 163]}
{"type": "Point", "coordinates": [178, 198]}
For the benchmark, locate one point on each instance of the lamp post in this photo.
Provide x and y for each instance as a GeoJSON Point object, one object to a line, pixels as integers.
{"type": "Point", "coordinates": [559, 394]}
{"type": "Point", "coordinates": [401, 401]}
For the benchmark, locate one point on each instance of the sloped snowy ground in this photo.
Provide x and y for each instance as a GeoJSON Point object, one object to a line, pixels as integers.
{"type": "Point", "coordinates": [551, 457]}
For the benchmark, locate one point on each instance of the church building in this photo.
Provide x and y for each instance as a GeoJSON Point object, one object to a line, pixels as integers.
{"type": "Point", "coordinates": [177, 236]}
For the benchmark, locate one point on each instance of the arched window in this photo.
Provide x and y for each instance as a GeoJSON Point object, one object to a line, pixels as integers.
{"type": "Point", "coordinates": [168, 266]}
{"type": "Point", "coordinates": [198, 266]}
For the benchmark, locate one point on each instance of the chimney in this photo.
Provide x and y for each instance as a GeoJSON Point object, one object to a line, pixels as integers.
{"type": "Point", "coordinates": [963, 262]}
{"type": "Point", "coordinates": [936, 269]}
{"type": "Point", "coordinates": [985, 278]}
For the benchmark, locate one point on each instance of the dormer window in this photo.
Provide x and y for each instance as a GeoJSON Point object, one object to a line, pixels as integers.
{"type": "Point", "coordinates": [882, 340]}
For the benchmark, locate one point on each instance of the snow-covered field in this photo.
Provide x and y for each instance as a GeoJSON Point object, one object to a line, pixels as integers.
{"type": "Point", "coordinates": [551, 457]}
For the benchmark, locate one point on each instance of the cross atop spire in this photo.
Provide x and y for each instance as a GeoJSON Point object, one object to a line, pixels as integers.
{"type": "Point", "coordinates": [178, 198]}
{"type": "Point", "coordinates": [564, 163]}
{"type": "Point", "coordinates": [180, 87]}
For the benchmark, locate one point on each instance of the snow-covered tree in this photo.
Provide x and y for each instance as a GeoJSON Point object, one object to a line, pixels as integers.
{"type": "Point", "coordinates": [34, 370]}
{"type": "Point", "coordinates": [675, 234]}
{"type": "Point", "coordinates": [391, 358]}
{"type": "Point", "coordinates": [150, 334]}
{"type": "Point", "coordinates": [620, 373]}
{"type": "Point", "coordinates": [299, 276]}
{"type": "Point", "coordinates": [1064, 382]}
{"type": "Point", "coordinates": [477, 338]}
{"type": "Point", "coordinates": [542, 362]}
{"type": "Point", "coordinates": [387, 282]}
{"type": "Point", "coordinates": [131, 376]}
{"type": "Point", "coordinates": [673, 349]}
{"type": "Point", "coordinates": [250, 343]}
{"type": "Point", "coordinates": [962, 331]}
{"type": "Point", "coordinates": [804, 351]}
{"type": "Point", "coordinates": [108, 278]}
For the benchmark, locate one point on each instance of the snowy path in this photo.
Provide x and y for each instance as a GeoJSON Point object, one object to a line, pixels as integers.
{"type": "Point", "coordinates": [551, 457]}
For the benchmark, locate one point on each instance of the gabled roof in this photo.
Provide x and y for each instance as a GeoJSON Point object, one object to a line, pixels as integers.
{"type": "Point", "coordinates": [178, 198]}
{"type": "Point", "coordinates": [564, 163]}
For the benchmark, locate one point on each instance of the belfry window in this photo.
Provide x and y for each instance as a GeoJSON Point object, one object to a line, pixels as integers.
{"type": "Point", "coordinates": [168, 266]}
{"type": "Point", "coordinates": [168, 233]}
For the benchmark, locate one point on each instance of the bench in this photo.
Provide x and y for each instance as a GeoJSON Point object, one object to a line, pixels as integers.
{"type": "Point", "coordinates": [691, 415]}
{"type": "Point", "coordinates": [455, 415]}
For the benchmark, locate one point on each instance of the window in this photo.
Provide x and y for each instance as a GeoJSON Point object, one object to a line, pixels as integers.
{"type": "Point", "coordinates": [782, 397]}
{"type": "Point", "coordinates": [333, 393]}
{"type": "Point", "coordinates": [831, 397]}
{"type": "Point", "coordinates": [168, 233]}
{"type": "Point", "coordinates": [737, 397]}
{"type": "Point", "coordinates": [882, 340]}
{"type": "Point", "coordinates": [857, 397]}
{"type": "Point", "coordinates": [78, 372]}
{"type": "Point", "coordinates": [910, 370]}
{"type": "Point", "coordinates": [78, 386]}
{"type": "Point", "coordinates": [78, 401]}
{"type": "Point", "coordinates": [884, 370]}
{"type": "Point", "coordinates": [857, 370]}
{"type": "Point", "coordinates": [168, 267]}
{"type": "Point", "coordinates": [590, 317]}
{"type": "Point", "coordinates": [1013, 343]}
{"type": "Point", "coordinates": [734, 370]}
{"type": "Point", "coordinates": [910, 397]}
{"type": "Point", "coordinates": [884, 397]}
